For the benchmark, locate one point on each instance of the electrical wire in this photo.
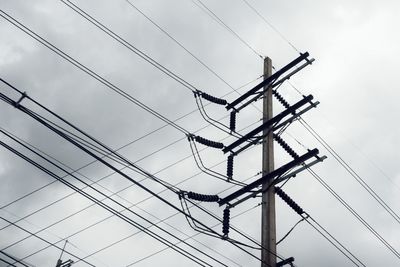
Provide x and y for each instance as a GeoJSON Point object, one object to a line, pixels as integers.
{"type": "Point", "coordinates": [92, 182]}
{"type": "Point", "coordinates": [271, 26]}
{"type": "Point", "coordinates": [13, 258]}
{"type": "Point", "coordinates": [181, 45]}
{"type": "Point", "coordinates": [325, 233]}
{"type": "Point", "coordinates": [109, 198]}
{"type": "Point", "coordinates": [338, 245]}
{"type": "Point", "coordinates": [108, 208]}
{"type": "Point", "coordinates": [126, 145]}
{"type": "Point", "coordinates": [351, 171]}
{"type": "Point", "coordinates": [212, 121]}
{"type": "Point", "coordinates": [42, 239]}
{"type": "Point", "coordinates": [349, 208]}
{"type": "Point", "coordinates": [354, 213]}
{"type": "Point", "coordinates": [290, 231]}
{"type": "Point", "coordinates": [194, 235]}
{"type": "Point", "coordinates": [215, 17]}
{"type": "Point", "coordinates": [127, 44]}
{"type": "Point", "coordinates": [88, 71]}
{"type": "Point", "coordinates": [72, 141]}
{"type": "Point", "coordinates": [70, 194]}
{"type": "Point", "coordinates": [7, 262]}
{"type": "Point", "coordinates": [164, 168]}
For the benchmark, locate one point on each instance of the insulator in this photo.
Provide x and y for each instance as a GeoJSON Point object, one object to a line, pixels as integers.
{"type": "Point", "coordinates": [232, 121]}
{"type": "Point", "coordinates": [229, 167]}
{"type": "Point", "coordinates": [289, 201]}
{"type": "Point", "coordinates": [203, 198]}
{"type": "Point", "coordinates": [280, 98]}
{"type": "Point", "coordinates": [225, 222]}
{"type": "Point", "coordinates": [285, 146]}
{"type": "Point", "coordinates": [209, 143]}
{"type": "Point", "coordinates": [214, 99]}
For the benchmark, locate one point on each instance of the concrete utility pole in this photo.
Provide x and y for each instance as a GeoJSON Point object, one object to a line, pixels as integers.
{"type": "Point", "coordinates": [268, 227]}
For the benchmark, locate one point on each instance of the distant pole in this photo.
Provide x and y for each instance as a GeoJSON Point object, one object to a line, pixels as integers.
{"type": "Point", "coordinates": [268, 227]}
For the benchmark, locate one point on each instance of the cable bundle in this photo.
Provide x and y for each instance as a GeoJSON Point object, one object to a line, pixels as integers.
{"type": "Point", "coordinates": [213, 99]}
{"type": "Point", "coordinates": [225, 222]}
{"type": "Point", "coordinates": [209, 143]}
{"type": "Point", "coordinates": [289, 201]}
{"type": "Point", "coordinates": [285, 146]}
{"type": "Point", "coordinates": [201, 197]}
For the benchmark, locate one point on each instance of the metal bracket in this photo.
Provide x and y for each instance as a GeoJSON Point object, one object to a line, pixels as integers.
{"type": "Point", "coordinates": [269, 176]}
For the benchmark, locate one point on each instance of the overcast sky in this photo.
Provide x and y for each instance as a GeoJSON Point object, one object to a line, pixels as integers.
{"type": "Point", "coordinates": [355, 77]}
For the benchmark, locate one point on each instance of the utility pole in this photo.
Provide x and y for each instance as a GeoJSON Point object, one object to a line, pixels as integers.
{"type": "Point", "coordinates": [268, 226]}
{"type": "Point", "coordinates": [263, 133]}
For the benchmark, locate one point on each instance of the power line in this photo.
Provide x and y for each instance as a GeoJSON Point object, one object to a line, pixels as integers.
{"type": "Point", "coordinates": [72, 193]}
{"type": "Point", "coordinates": [179, 44]}
{"type": "Point", "coordinates": [349, 208]}
{"type": "Point", "coordinates": [104, 195]}
{"type": "Point", "coordinates": [325, 233]}
{"type": "Point", "coordinates": [92, 182]}
{"type": "Point", "coordinates": [215, 17]}
{"type": "Point", "coordinates": [88, 71]}
{"type": "Point", "coordinates": [72, 141]}
{"type": "Point", "coordinates": [13, 258]}
{"type": "Point", "coordinates": [271, 26]}
{"type": "Point", "coordinates": [128, 45]}
{"type": "Point", "coordinates": [7, 262]}
{"type": "Point", "coordinates": [126, 145]}
{"type": "Point", "coordinates": [351, 171]}
{"type": "Point", "coordinates": [354, 213]}
{"type": "Point", "coordinates": [108, 208]}
{"type": "Point", "coordinates": [40, 238]}
{"type": "Point", "coordinates": [161, 250]}
{"type": "Point", "coordinates": [290, 231]}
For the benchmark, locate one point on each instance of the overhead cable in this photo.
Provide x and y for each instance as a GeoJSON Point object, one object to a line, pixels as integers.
{"type": "Point", "coordinates": [88, 71]}
{"type": "Point", "coordinates": [72, 141]}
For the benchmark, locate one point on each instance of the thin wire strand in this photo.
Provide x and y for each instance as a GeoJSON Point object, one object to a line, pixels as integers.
{"type": "Point", "coordinates": [194, 235]}
{"type": "Point", "coordinates": [42, 239]}
{"type": "Point", "coordinates": [128, 45]}
{"type": "Point", "coordinates": [13, 258]}
{"type": "Point", "coordinates": [88, 71]}
{"type": "Point", "coordinates": [113, 200]}
{"type": "Point", "coordinates": [124, 146]}
{"type": "Point", "coordinates": [290, 231]}
{"type": "Point", "coordinates": [63, 135]}
{"type": "Point", "coordinates": [351, 171]}
{"type": "Point", "coordinates": [271, 26]}
{"type": "Point", "coordinates": [91, 180]}
{"type": "Point", "coordinates": [337, 245]}
{"type": "Point", "coordinates": [181, 45]}
{"type": "Point", "coordinates": [354, 213]}
{"type": "Point", "coordinates": [108, 208]}
{"type": "Point", "coordinates": [214, 16]}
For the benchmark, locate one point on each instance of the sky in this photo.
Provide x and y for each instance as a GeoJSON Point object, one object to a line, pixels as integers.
{"type": "Point", "coordinates": [354, 77]}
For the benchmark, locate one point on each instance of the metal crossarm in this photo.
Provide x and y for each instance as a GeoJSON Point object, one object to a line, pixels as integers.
{"type": "Point", "coordinates": [268, 123]}
{"type": "Point", "coordinates": [269, 176]}
{"type": "Point", "coordinates": [268, 80]}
